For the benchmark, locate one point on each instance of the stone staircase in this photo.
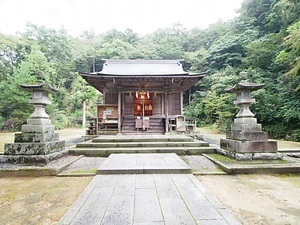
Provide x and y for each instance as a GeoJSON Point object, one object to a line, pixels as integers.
{"type": "Point", "coordinates": [157, 126]}
{"type": "Point", "coordinates": [106, 145]}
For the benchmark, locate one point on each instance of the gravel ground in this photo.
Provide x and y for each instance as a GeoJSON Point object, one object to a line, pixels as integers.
{"type": "Point", "coordinates": [51, 165]}
{"type": "Point", "coordinates": [197, 162]}
{"type": "Point", "coordinates": [200, 163]}
{"type": "Point", "coordinates": [85, 163]}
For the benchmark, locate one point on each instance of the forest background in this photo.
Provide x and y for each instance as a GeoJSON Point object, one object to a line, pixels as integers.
{"type": "Point", "coordinates": [264, 41]}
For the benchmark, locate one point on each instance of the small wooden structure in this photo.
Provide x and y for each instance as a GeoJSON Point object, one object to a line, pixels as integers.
{"type": "Point", "coordinates": [141, 95]}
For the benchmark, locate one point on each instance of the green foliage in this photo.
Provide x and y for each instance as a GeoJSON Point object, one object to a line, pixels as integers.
{"type": "Point", "coordinates": [295, 135]}
{"type": "Point", "coordinates": [263, 51]}
{"type": "Point", "coordinates": [263, 40]}
{"type": "Point", "coordinates": [14, 102]}
{"type": "Point", "coordinates": [291, 55]}
{"type": "Point", "coordinates": [212, 105]}
{"type": "Point", "coordinates": [227, 50]}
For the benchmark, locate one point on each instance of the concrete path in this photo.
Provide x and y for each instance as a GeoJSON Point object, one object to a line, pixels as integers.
{"type": "Point", "coordinates": [144, 199]}
{"type": "Point", "coordinates": [144, 164]}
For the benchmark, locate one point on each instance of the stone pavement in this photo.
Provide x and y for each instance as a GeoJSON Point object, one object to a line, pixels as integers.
{"type": "Point", "coordinates": [141, 199]}
{"type": "Point", "coordinates": [144, 163]}
{"type": "Point", "coordinates": [146, 199]}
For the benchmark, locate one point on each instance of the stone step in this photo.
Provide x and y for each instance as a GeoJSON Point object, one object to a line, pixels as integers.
{"type": "Point", "coordinates": [90, 144]}
{"type": "Point", "coordinates": [153, 122]}
{"type": "Point", "coordinates": [167, 163]}
{"type": "Point", "coordinates": [134, 132]}
{"type": "Point", "coordinates": [143, 138]}
{"type": "Point", "coordinates": [104, 152]}
{"type": "Point", "coordinates": [150, 130]}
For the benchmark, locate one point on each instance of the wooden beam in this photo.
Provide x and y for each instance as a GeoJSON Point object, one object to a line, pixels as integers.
{"type": "Point", "coordinates": [119, 112]}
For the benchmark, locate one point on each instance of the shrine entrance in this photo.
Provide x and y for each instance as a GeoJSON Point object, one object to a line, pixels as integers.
{"type": "Point", "coordinates": [142, 102]}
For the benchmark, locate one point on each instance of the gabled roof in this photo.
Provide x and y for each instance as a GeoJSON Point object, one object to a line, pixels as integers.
{"type": "Point", "coordinates": [135, 75]}
{"type": "Point", "coordinates": [142, 67]}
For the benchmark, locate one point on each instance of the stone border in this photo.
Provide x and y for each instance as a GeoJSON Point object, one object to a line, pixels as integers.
{"type": "Point", "coordinates": [257, 168]}
{"type": "Point", "coordinates": [250, 156]}
{"type": "Point", "coordinates": [76, 174]}
{"type": "Point", "coordinates": [210, 173]}
{"type": "Point", "coordinates": [35, 172]}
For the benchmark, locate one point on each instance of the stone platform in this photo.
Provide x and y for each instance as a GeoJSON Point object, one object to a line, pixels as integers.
{"type": "Point", "coordinates": [103, 146]}
{"type": "Point", "coordinates": [147, 199]}
{"type": "Point", "coordinates": [143, 164]}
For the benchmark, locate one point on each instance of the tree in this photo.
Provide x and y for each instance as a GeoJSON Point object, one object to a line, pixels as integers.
{"type": "Point", "coordinates": [227, 50]}
{"type": "Point", "coordinates": [262, 52]}
{"type": "Point", "coordinates": [14, 102]}
{"type": "Point", "coordinates": [290, 55]}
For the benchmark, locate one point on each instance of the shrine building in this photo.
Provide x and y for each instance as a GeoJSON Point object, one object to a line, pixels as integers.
{"type": "Point", "coordinates": [141, 96]}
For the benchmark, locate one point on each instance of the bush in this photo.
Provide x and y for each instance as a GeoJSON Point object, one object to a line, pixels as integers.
{"type": "Point", "coordinates": [60, 120]}
{"type": "Point", "coordinates": [276, 131]}
{"type": "Point", "coordinates": [12, 124]}
{"type": "Point", "coordinates": [296, 135]}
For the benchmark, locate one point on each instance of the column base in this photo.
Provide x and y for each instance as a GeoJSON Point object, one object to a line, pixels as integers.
{"type": "Point", "coordinates": [32, 148]}
{"type": "Point", "coordinates": [250, 150]}
{"type": "Point", "coordinates": [35, 159]}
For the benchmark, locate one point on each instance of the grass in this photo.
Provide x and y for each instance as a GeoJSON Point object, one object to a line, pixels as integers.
{"type": "Point", "coordinates": [184, 159]}
{"type": "Point", "coordinates": [228, 160]}
{"type": "Point", "coordinates": [222, 158]}
{"type": "Point", "coordinates": [6, 138]}
{"type": "Point", "coordinates": [93, 170]}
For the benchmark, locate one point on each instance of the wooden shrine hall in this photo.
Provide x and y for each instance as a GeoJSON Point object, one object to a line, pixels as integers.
{"type": "Point", "coordinates": [141, 96]}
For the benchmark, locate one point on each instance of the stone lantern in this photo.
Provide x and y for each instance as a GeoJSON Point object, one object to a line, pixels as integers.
{"type": "Point", "coordinates": [38, 142]}
{"type": "Point", "coordinates": [246, 140]}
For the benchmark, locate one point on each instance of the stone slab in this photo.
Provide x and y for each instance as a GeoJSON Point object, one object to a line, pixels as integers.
{"type": "Point", "coordinates": [38, 122]}
{"type": "Point", "coordinates": [257, 168]}
{"type": "Point", "coordinates": [105, 152]}
{"type": "Point", "coordinates": [32, 159]}
{"type": "Point", "coordinates": [142, 138]}
{"type": "Point", "coordinates": [43, 148]}
{"type": "Point", "coordinates": [158, 199]}
{"type": "Point", "coordinates": [249, 146]}
{"type": "Point", "coordinates": [39, 137]}
{"type": "Point", "coordinates": [143, 164]}
{"type": "Point", "coordinates": [247, 135]}
{"type": "Point", "coordinates": [38, 128]}
{"type": "Point", "coordinates": [91, 144]}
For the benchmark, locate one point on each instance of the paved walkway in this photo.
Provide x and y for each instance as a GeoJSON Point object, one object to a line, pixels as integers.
{"type": "Point", "coordinates": [147, 199]}
{"type": "Point", "coordinates": [144, 164]}
{"type": "Point", "coordinates": [144, 199]}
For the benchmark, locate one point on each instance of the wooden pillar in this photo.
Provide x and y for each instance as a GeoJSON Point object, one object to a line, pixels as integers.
{"type": "Point", "coordinates": [103, 98]}
{"type": "Point", "coordinates": [181, 103]}
{"type": "Point", "coordinates": [84, 115]}
{"type": "Point", "coordinates": [166, 112]}
{"type": "Point", "coordinates": [119, 112]}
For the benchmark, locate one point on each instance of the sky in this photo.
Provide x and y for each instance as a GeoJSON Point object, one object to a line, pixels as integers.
{"type": "Point", "coordinates": [142, 16]}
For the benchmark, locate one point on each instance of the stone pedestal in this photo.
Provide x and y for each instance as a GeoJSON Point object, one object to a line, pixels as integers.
{"type": "Point", "coordinates": [38, 142]}
{"type": "Point", "coordinates": [246, 140]}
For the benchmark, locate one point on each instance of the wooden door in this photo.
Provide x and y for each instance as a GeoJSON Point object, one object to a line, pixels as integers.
{"type": "Point", "coordinates": [128, 105]}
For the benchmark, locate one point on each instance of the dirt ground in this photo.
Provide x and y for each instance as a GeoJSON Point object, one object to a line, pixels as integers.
{"type": "Point", "coordinates": [253, 199]}
{"type": "Point", "coordinates": [258, 199]}
{"type": "Point", "coordinates": [40, 201]}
